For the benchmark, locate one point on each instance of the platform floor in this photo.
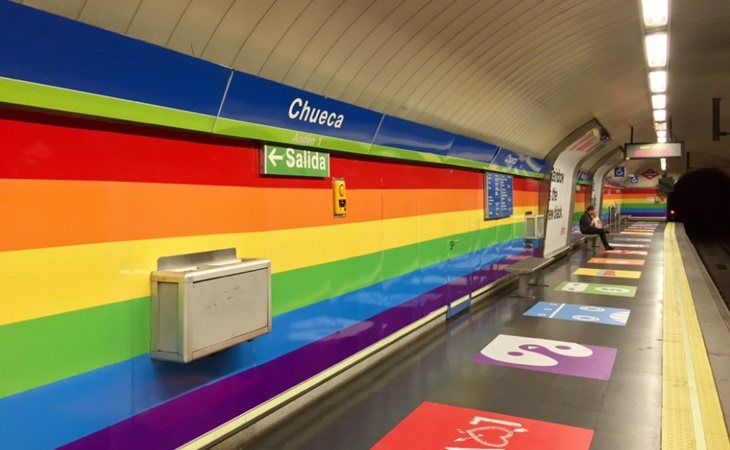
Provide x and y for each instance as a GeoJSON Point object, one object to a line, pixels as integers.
{"type": "Point", "coordinates": [494, 361]}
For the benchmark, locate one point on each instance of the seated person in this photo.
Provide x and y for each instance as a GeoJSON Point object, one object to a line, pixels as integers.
{"type": "Point", "coordinates": [590, 224]}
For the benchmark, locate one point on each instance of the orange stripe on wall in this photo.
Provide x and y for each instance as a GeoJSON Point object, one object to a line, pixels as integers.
{"type": "Point", "coordinates": [49, 213]}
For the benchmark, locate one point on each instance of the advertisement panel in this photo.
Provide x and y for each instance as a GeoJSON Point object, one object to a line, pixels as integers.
{"type": "Point", "coordinates": [562, 190]}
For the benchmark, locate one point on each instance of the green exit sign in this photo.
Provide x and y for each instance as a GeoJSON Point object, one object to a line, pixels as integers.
{"type": "Point", "coordinates": [297, 162]}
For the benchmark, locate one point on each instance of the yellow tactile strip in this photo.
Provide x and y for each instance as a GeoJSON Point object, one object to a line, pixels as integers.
{"type": "Point", "coordinates": [691, 413]}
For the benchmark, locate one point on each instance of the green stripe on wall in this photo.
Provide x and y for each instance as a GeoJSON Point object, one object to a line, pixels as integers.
{"type": "Point", "coordinates": [340, 277]}
{"type": "Point", "coordinates": [60, 99]}
{"type": "Point", "coordinates": [87, 339]}
{"type": "Point", "coordinates": [38, 352]}
{"type": "Point", "coordinates": [49, 97]}
{"type": "Point", "coordinates": [235, 128]}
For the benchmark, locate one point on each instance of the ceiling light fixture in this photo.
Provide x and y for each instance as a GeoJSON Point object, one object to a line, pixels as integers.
{"type": "Point", "coordinates": [660, 115]}
{"type": "Point", "coordinates": [659, 101]}
{"type": "Point", "coordinates": [660, 126]}
{"type": "Point", "coordinates": [656, 13]}
{"type": "Point", "coordinates": [663, 162]}
{"type": "Point", "coordinates": [662, 140]}
{"type": "Point", "coordinates": [656, 49]}
{"type": "Point", "coordinates": [661, 134]}
{"type": "Point", "coordinates": [658, 81]}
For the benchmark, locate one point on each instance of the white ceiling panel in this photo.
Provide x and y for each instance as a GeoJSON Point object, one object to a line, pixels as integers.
{"type": "Point", "coordinates": [155, 20]}
{"type": "Point", "coordinates": [233, 30]}
{"type": "Point", "coordinates": [71, 8]}
{"type": "Point", "coordinates": [522, 74]}
{"type": "Point", "coordinates": [114, 16]}
{"type": "Point", "coordinates": [197, 25]}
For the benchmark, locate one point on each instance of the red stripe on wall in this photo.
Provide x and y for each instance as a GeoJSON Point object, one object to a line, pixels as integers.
{"type": "Point", "coordinates": [39, 146]}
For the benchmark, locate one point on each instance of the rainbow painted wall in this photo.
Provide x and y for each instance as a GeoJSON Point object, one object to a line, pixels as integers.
{"type": "Point", "coordinates": [635, 202]}
{"type": "Point", "coordinates": [92, 203]}
{"type": "Point", "coordinates": [92, 206]}
{"type": "Point", "coordinates": [643, 203]}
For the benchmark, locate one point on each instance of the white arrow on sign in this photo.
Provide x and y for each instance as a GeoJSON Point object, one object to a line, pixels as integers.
{"type": "Point", "coordinates": [273, 157]}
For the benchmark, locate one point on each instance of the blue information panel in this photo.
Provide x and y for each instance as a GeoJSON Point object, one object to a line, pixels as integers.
{"type": "Point", "coordinates": [499, 195]}
{"type": "Point", "coordinates": [580, 313]}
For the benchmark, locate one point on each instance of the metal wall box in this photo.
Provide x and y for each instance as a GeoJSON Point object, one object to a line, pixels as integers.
{"type": "Point", "coordinates": [205, 302]}
{"type": "Point", "coordinates": [535, 227]}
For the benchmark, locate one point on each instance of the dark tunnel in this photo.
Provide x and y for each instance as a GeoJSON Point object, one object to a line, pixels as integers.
{"type": "Point", "coordinates": [701, 200]}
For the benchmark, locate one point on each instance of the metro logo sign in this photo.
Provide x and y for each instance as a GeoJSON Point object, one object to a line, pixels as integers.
{"type": "Point", "coordinates": [446, 427]}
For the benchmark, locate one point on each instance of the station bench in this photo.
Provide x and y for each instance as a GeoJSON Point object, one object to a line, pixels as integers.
{"type": "Point", "coordinates": [525, 269]}
{"type": "Point", "coordinates": [592, 238]}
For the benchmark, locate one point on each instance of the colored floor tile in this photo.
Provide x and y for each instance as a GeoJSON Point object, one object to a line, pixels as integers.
{"type": "Point", "coordinates": [439, 426]}
{"type": "Point", "coordinates": [619, 244]}
{"type": "Point", "coordinates": [546, 355]}
{"type": "Point", "coordinates": [619, 261]}
{"type": "Point", "coordinates": [633, 274]}
{"type": "Point", "coordinates": [624, 252]}
{"type": "Point", "coordinates": [614, 290]}
{"type": "Point", "coordinates": [580, 313]}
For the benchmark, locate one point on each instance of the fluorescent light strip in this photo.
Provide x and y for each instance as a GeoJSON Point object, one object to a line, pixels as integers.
{"type": "Point", "coordinates": [663, 162]}
{"type": "Point", "coordinates": [660, 115]}
{"type": "Point", "coordinates": [660, 126]}
{"type": "Point", "coordinates": [661, 134]}
{"type": "Point", "coordinates": [662, 140]}
{"type": "Point", "coordinates": [658, 81]}
{"type": "Point", "coordinates": [659, 101]}
{"type": "Point", "coordinates": [656, 13]}
{"type": "Point", "coordinates": [656, 49]}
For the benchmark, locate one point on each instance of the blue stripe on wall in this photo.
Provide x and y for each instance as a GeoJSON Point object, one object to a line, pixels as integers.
{"type": "Point", "coordinates": [51, 50]}
{"type": "Point", "coordinates": [70, 409]}
{"type": "Point", "coordinates": [79, 57]}
{"type": "Point", "coordinates": [400, 133]}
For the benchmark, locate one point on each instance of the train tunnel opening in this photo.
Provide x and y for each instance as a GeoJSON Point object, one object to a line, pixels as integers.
{"type": "Point", "coordinates": [701, 200]}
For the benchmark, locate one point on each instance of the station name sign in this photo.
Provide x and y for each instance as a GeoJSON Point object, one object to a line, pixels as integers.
{"type": "Point", "coordinates": [657, 150]}
{"type": "Point", "coordinates": [298, 162]}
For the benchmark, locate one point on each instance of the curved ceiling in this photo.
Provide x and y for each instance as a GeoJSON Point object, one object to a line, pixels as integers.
{"type": "Point", "coordinates": [521, 74]}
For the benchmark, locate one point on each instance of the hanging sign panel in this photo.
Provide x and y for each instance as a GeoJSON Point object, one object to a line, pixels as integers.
{"type": "Point", "coordinates": [668, 150]}
{"type": "Point", "coordinates": [499, 196]}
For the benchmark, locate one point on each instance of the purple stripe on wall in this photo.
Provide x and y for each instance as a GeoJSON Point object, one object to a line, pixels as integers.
{"type": "Point", "coordinates": [190, 416]}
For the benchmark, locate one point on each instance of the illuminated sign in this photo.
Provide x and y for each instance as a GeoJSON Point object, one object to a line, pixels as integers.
{"type": "Point", "coordinates": [668, 150]}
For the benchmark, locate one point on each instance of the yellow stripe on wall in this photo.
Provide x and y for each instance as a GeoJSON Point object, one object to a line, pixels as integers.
{"type": "Point", "coordinates": [42, 282]}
